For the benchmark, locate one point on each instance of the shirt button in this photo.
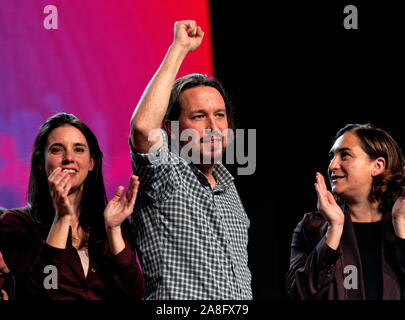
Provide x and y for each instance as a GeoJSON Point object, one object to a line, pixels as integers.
{"type": "Point", "coordinates": [93, 270]}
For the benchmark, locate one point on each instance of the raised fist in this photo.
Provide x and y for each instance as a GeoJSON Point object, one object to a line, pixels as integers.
{"type": "Point", "coordinates": [188, 34]}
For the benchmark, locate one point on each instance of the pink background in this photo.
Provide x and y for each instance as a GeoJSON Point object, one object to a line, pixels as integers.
{"type": "Point", "coordinates": [96, 66]}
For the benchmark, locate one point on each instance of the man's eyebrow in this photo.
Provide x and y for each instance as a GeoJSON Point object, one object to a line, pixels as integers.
{"type": "Point", "coordinates": [198, 111]}
{"type": "Point", "coordinates": [332, 152]}
{"type": "Point", "coordinates": [205, 111]}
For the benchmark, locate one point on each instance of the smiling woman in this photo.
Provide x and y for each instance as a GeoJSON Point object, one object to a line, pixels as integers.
{"type": "Point", "coordinates": [67, 150]}
{"type": "Point", "coordinates": [354, 248]}
{"type": "Point", "coordinates": [63, 228]}
{"type": "Point", "coordinates": [384, 156]}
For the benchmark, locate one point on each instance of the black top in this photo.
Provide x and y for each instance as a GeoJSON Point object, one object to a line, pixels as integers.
{"type": "Point", "coordinates": [369, 242]}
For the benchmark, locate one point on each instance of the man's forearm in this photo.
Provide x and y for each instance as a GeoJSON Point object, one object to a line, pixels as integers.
{"type": "Point", "coordinates": [152, 107]}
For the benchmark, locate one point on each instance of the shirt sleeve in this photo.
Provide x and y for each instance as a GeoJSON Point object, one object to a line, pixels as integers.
{"type": "Point", "coordinates": [157, 171]}
{"type": "Point", "coordinates": [312, 265]}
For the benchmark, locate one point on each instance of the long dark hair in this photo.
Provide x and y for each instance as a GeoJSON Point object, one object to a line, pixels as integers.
{"type": "Point", "coordinates": [387, 186]}
{"type": "Point", "coordinates": [94, 197]}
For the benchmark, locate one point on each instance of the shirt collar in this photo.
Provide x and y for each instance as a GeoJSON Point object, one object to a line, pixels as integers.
{"type": "Point", "coordinates": [222, 176]}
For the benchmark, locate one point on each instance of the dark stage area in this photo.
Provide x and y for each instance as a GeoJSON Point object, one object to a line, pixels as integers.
{"type": "Point", "coordinates": [296, 75]}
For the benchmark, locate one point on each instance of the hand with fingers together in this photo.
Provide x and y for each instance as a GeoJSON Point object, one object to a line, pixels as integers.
{"type": "Point", "coordinates": [117, 210]}
{"type": "Point", "coordinates": [331, 211]}
{"type": "Point", "coordinates": [59, 188]}
{"type": "Point", "coordinates": [327, 205]}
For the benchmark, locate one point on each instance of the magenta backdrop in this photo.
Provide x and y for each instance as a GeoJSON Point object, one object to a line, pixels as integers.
{"type": "Point", "coordinates": [95, 65]}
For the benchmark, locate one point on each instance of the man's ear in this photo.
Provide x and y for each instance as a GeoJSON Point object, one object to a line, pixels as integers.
{"type": "Point", "coordinates": [379, 166]}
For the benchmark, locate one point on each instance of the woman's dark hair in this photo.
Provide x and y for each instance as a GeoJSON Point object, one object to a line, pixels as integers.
{"type": "Point", "coordinates": [387, 186]}
{"type": "Point", "coordinates": [94, 197]}
{"type": "Point", "coordinates": [191, 81]}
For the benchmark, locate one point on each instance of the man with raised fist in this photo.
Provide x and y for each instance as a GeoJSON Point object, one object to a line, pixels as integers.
{"type": "Point", "coordinates": [190, 225]}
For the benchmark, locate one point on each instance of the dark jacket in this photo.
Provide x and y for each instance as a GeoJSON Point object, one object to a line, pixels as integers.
{"type": "Point", "coordinates": [317, 272]}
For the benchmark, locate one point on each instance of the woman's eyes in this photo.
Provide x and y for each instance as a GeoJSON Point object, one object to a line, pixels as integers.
{"type": "Point", "coordinates": [343, 155]}
{"type": "Point", "coordinates": [56, 150]}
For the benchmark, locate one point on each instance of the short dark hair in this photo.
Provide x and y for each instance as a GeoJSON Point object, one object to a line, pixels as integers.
{"type": "Point", "coordinates": [94, 197]}
{"type": "Point", "coordinates": [191, 81]}
{"type": "Point", "coordinates": [386, 187]}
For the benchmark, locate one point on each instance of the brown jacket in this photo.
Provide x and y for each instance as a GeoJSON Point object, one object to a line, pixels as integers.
{"type": "Point", "coordinates": [317, 271]}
